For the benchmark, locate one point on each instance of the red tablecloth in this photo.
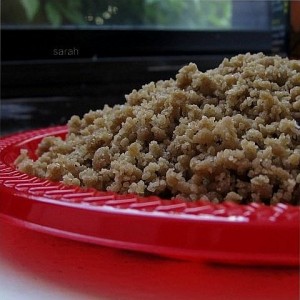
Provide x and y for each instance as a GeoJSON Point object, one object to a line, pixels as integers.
{"type": "Point", "coordinates": [93, 272]}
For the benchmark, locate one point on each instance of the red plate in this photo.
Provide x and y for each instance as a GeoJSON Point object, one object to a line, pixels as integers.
{"type": "Point", "coordinates": [226, 233]}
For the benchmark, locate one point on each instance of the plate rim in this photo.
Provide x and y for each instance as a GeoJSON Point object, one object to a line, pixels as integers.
{"type": "Point", "coordinates": [256, 223]}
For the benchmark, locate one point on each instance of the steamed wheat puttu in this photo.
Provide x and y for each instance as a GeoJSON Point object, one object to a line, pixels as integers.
{"type": "Point", "coordinates": [229, 133]}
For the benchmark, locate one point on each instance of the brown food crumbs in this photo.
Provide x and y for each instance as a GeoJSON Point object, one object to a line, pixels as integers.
{"type": "Point", "coordinates": [230, 133]}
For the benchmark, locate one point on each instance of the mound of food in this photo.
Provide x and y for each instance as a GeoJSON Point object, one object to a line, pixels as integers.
{"type": "Point", "coordinates": [230, 133]}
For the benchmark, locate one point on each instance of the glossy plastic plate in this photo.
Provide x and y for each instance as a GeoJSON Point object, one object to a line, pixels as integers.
{"type": "Point", "coordinates": [201, 231]}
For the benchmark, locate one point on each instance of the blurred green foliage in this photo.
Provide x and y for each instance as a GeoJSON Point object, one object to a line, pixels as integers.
{"type": "Point", "coordinates": [190, 14]}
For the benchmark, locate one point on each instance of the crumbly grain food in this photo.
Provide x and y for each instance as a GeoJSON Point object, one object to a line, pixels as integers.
{"type": "Point", "coordinates": [230, 133]}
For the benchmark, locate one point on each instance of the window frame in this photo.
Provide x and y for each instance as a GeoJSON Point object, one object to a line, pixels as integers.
{"type": "Point", "coordinates": [38, 44]}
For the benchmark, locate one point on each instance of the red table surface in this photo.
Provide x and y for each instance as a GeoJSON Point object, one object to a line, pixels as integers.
{"type": "Point", "coordinates": [105, 273]}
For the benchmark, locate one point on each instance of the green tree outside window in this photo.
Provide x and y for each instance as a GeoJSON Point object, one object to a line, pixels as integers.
{"type": "Point", "coordinates": [177, 14]}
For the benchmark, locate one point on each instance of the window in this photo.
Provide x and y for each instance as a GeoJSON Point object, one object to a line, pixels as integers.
{"type": "Point", "coordinates": [143, 14]}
